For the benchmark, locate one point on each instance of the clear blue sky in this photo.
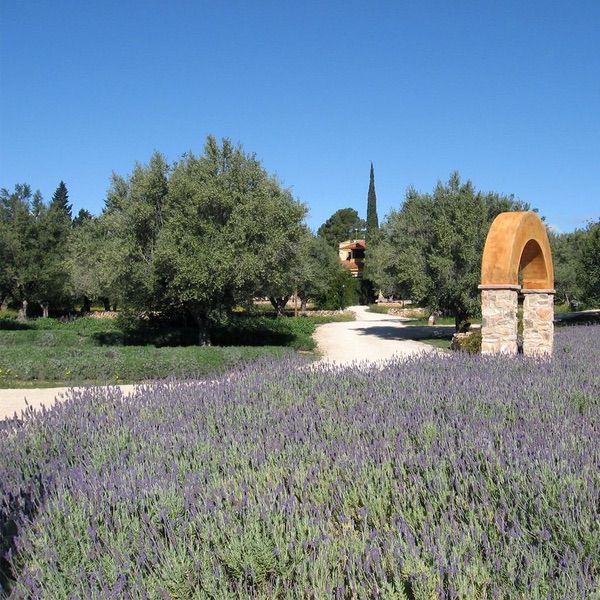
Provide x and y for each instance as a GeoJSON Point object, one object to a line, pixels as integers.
{"type": "Point", "coordinates": [507, 93]}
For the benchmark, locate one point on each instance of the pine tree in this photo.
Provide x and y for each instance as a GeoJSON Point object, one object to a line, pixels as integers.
{"type": "Point", "coordinates": [372, 220]}
{"type": "Point", "coordinates": [83, 216]}
{"type": "Point", "coordinates": [37, 205]}
{"type": "Point", "coordinates": [60, 200]}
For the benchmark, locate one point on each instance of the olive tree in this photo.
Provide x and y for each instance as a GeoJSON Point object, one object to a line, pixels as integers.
{"type": "Point", "coordinates": [230, 232]}
{"type": "Point", "coordinates": [430, 249]}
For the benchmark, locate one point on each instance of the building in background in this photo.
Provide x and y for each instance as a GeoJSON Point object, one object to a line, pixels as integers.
{"type": "Point", "coordinates": [352, 256]}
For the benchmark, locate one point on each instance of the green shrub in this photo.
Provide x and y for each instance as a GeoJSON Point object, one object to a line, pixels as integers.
{"type": "Point", "coordinates": [470, 342]}
{"type": "Point", "coordinates": [379, 308]}
{"type": "Point", "coordinates": [344, 291]}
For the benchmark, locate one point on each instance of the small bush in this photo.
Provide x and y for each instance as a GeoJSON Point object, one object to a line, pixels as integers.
{"type": "Point", "coordinates": [467, 342]}
{"type": "Point", "coordinates": [344, 291]}
{"type": "Point", "coordinates": [473, 343]}
{"type": "Point", "coordinates": [381, 309]}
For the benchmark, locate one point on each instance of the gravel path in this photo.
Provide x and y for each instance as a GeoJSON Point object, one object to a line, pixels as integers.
{"type": "Point", "coordinates": [14, 401]}
{"type": "Point", "coordinates": [373, 337]}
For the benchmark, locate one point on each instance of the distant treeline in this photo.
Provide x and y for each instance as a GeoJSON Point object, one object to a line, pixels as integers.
{"type": "Point", "coordinates": [209, 233]}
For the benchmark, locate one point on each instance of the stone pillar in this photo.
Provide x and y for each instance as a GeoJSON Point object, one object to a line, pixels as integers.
{"type": "Point", "coordinates": [538, 322]}
{"type": "Point", "coordinates": [499, 319]}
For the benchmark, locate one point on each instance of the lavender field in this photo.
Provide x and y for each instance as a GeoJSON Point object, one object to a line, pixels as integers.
{"type": "Point", "coordinates": [450, 477]}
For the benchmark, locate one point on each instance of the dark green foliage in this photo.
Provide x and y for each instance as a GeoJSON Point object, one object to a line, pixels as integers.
{"type": "Point", "coordinates": [230, 233]}
{"type": "Point", "coordinates": [127, 235]}
{"type": "Point", "coordinates": [15, 231]}
{"type": "Point", "coordinates": [566, 256]}
{"type": "Point", "coordinates": [33, 247]}
{"type": "Point", "coordinates": [366, 291]}
{"type": "Point", "coordinates": [471, 343]}
{"type": "Point", "coordinates": [60, 201]}
{"type": "Point", "coordinates": [589, 270]}
{"type": "Point", "coordinates": [83, 216]}
{"type": "Point", "coordinates": [317, 268]}
{"type": "Point", "coordinates": [344, 224]}
{"type": "Point", "coordinates": [200, 237]}
{"type": "Point", "coordinates": [372, 219]}
{"type": "Point", "coordinates": [344, 291]}
{"type": "Point", "coordinates": [576, 257]}
{"type": "Point", "coordinates": [97, 259]}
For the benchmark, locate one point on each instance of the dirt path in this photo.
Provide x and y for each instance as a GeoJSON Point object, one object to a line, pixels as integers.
{"type": "Point", "coordinates": [14, 401]}
{"type": "Point", "coordinates": [373, 337]}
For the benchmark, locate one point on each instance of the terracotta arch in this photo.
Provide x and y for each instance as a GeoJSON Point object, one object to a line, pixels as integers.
{"type": "Point", "coordinates": [517, 241]}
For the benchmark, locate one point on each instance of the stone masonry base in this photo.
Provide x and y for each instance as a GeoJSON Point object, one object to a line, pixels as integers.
{"type": "Point", "coordinates": [538, 324]}
{"type": "Point", "coordinates": [499, 321]}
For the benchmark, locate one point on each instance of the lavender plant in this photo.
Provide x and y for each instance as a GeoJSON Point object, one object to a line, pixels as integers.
{"type": "Point", "coordinates": [437, 477]}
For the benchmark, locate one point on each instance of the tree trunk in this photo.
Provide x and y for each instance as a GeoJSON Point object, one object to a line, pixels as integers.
{"type": "Point", "coordinates": [45, 310]}
{"type": "Point", "coordinates": [279, 303]}
{"type": "Point", "coordinates": [303, 304]}
{"type": "Point", "coordinates": [4, 305]}
{"type": "Point", "coordinates": [86, 307]}
{"type": "Point", "coordinates": [203, 328]}
{"type": "Point", "coordinates": [106, 304]}
{"type": "Point", "coordinates": [22, 316]}
{"type": "Point", "coordinates": [461, 323]}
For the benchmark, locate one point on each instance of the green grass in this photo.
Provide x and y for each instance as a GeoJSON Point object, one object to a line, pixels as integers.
{"type": "Point", "coordinates": [87, 350]}
{"type": "Point", "coordinates": [385, 308]}
{"type": "Point", "coordinates": [443, 321]}
{"type": "Point", "coordinates": [439, 342]}
{"type": "Point", "coordinates": [379, 308]}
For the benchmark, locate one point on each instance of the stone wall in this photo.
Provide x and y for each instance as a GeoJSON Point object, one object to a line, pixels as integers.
{"type": "Point", "coordinates": [538, 325]}
{"type": "Point", "coordinates": [499, 321]}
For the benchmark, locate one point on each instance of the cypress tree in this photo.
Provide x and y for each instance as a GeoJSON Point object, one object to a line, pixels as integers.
{"type": "Point", "coordinates": [372, 220]}
{"type": "Point", "coordinates": [60, 200]}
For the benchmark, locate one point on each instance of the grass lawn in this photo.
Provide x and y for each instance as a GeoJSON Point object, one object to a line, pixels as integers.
{"type": "Point", "coordinates": [443, 343]}
{"type": "Point", "coordinates": [444, 321]}
{"type": "Point", "coordinates": [46, 352]}
{"type": "Point", "coordinates": [385, 308]}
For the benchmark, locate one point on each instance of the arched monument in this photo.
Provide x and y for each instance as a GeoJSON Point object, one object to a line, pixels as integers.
{"type": "Point", "coordinates": [517, 243]}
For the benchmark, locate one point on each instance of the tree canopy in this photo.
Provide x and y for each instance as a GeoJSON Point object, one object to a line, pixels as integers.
{"type": "Point", "coordinates": [33, 248]}
{"type": "Point", "coordinates": [231, 232]}
{"type": "Point", "coordinates": [430, 249]}
{"type": "Point", "coordinates": [344, 224]}
{"type": "Point", "coordinates": [318, 269]}
{"type": "Point", "coordinates": [60, 201]}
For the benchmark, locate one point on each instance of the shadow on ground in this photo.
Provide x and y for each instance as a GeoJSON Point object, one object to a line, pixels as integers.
{"type": "Point", "coordinates": [584, 317]}
{"type": "Point", "coordinates": [410, 332]}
